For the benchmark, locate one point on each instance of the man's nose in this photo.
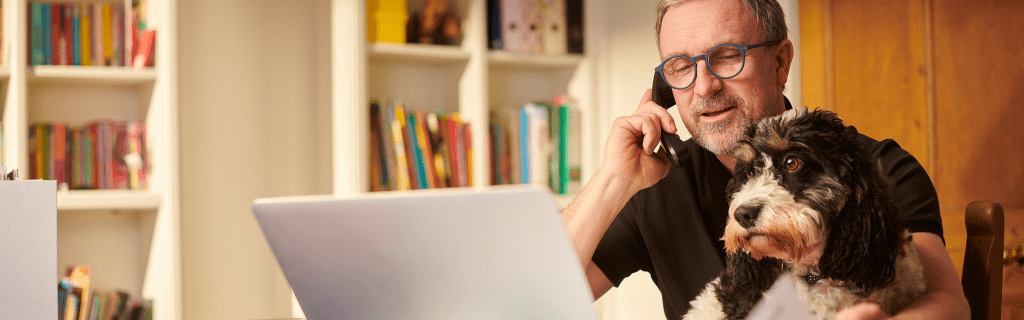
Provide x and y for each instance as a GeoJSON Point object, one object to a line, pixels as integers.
{"type": "Point", "coordinates": [706, 84]}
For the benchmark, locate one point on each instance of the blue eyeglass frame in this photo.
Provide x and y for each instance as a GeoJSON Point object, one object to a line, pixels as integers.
{"type": "Point", "coordinates": [743, 55]}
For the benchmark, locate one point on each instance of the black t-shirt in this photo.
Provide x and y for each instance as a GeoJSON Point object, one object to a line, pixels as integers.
{"type": "Point", "coordinates": [673, 229]}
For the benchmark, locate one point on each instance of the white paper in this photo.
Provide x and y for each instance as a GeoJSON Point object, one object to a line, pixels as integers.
{"type": "Point", "coordinates": [782, 301]}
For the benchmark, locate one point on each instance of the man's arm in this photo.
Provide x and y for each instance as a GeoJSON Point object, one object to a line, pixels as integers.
{"type": "Point", "coordinates": [944, 296]}
{"type": "Point", "coordinates": [629, 165]}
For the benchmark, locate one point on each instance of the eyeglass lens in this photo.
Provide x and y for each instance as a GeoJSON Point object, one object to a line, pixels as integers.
{"type": "Point", "coordinates": [725, 61]}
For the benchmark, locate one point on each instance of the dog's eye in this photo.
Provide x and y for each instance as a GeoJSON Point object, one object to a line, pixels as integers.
{"type": "Point", "coordinates": [792, 164]}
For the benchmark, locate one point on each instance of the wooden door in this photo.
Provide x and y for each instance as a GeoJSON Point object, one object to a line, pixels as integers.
{"type": "Point", "coordinates": [945, 79]}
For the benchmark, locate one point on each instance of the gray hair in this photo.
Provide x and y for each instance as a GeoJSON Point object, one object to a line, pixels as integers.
{"type": "Point", "coordinates": [768, 13]}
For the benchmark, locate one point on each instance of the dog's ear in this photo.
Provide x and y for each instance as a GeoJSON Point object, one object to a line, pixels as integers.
{"type": "Point", "coordinates": [744, 282]}
{"type": "Point", "coordinates": [864, 238]}
{"type": "Point", "coordinates": [743, 152]}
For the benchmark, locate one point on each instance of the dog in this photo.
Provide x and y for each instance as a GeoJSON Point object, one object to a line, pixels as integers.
{"type": "Point", "coordinates": [806, 200]}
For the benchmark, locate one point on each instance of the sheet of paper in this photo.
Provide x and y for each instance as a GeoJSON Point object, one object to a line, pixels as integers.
{"type": "Point", "coordinates": [782, 301]}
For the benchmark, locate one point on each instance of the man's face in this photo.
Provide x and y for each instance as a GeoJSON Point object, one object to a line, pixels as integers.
{"type": "Point", "coordinates": [717, 111]}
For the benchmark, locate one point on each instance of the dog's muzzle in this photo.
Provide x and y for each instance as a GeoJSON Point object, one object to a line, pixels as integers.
{"type": "Point", "coordinates": [746, 215]}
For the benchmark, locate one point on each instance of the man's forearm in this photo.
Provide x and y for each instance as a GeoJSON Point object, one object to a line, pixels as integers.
{"type": "Point", "coordinates": [589, 215]}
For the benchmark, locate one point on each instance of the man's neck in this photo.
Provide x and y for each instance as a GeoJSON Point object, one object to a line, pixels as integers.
{"type": "Point", "coordinates": [728, 161]}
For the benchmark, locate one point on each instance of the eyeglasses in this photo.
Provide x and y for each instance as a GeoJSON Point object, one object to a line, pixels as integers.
{"type": "Point", "coordinates": [724, 61]}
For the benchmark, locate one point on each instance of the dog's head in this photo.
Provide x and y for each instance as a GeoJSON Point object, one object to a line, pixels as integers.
{"type": "Point", "coordinates": [805, 193]}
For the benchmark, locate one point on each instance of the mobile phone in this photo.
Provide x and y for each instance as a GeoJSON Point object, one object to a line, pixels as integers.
{"type": "Point", "coordinates": [661, 94]}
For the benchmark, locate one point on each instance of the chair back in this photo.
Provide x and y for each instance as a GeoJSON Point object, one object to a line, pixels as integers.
{"type": "Point", "coordinates": [983, 259]}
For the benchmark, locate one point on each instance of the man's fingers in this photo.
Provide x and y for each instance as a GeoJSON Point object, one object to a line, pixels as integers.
{"type": "Point", "coordinates": [648, 106]}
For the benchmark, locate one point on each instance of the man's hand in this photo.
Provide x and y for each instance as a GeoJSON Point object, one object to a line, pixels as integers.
{"type": "Point", "coordinates": [629, 151]}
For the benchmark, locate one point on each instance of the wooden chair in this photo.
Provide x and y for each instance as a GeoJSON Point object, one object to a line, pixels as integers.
{"type": "Point", "coordinates": [983, 259]}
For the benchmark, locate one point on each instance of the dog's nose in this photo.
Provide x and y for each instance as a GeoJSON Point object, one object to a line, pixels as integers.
{"type": "Point", "coordinates": [747, 215]}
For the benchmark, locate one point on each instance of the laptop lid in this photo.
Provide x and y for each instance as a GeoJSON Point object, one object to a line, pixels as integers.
{"type": "Point", "coordinates": [495, 253]}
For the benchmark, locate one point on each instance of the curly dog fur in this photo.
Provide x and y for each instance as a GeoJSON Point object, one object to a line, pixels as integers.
{"type": "Point", "coordinates": [805, 199]}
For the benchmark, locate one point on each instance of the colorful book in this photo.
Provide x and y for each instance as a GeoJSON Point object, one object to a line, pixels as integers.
{"type": "Point", "coordinates": [144, 53]}
{"type": "Point", "coordinates": [425, 155]}
{"type": "Point", "coordinates": [397, 115]}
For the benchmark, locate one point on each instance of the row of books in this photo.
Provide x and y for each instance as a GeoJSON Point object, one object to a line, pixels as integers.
{"type": "Point", "coordinates": [418, 150]}
{"type": "Point", "coordinates": [535, 26]}
{"type": "Point", "coordinates": [77, 301]}
{"type": "Point", "coordinates": [103, 154]}
{"type": "Point", "coordinates": [537, 144]}
{"type": "Point", "coordinates": [88, 34]}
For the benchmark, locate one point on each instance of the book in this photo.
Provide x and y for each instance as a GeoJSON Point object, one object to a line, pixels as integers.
{"type": "Point", "coordinates": [554, 33]}
{"type": "Point", "coordinates": [378, 179]}
{"type": "Point", "coordinates": [436, 146]}
{"type": "Point", "coordinates": [574, 25]}
{"type": "Point", "coordinates": [426, 155]}
{"type": "Point", "coordinates": [81, 275]}
{"type": "Point", "coordinates": [521, 26]}
{"type": "Point", "coordinates": [85, 10]}
{"type": "Point", "coordinates": [494, 29]}
{"type": "Point", "coordinates": [396, 114]}
{"type": "Point", "coordinates": [467, 139]}
{"type": "Point", "coordinates": [415, 156]}
{"type": "Point", "coordinates": [144, 54]}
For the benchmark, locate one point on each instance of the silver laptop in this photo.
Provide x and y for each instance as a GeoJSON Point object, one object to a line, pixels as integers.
{"type": "Point", "coordinates": [495, 253]}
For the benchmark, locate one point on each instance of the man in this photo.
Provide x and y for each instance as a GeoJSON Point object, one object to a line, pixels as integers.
{"type": "Point", "coordinates": [637, 213]}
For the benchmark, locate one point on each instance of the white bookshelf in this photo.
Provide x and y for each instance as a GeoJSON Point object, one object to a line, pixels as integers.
{"type": "Point", "coordinates": [130, 238]}
{"type": "Point", "coordinates": [124, 200]}
{"type": "Point", "coordinates": [468, 78]}
{"type": "Point", "coordinates": [91, 75]}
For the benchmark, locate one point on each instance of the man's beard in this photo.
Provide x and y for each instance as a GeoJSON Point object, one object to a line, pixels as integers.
{"type": "Point", "coordinates": [720, 137]}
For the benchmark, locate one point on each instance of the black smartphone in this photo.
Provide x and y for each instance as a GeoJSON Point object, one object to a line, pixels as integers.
{"type": "Point", "coordinates": [661, 94]}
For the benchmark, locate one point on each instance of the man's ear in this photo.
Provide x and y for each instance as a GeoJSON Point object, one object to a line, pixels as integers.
{"type": "Point", "coordinates": [783, 60]}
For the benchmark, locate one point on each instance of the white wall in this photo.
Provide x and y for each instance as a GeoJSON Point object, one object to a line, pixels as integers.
{"type": "Point", "coordinates": [254, 82]}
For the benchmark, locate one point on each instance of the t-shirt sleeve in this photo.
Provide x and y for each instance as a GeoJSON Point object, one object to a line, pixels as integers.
{"type": "Point", "coordinates": [622, 251]}
{"type": "Point", "coordinates": [912, 189]}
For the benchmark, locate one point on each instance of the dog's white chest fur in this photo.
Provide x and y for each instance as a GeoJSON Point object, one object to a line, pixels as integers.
{"type": "Point", "coordinates": [826, 297]}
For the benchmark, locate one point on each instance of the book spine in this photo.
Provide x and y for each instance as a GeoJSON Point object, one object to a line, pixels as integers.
{"type": "Point", "coordinates": [467, 138]}
{"type": "Point", "coordinates": [37, 52]}
{"type": "Point", "coordinates": [524, 143]}
{"type": "Point", "coordinates": [377, 173]}
{"type": "Point", "coordinates": [443, 156]}
{"type": "Point", "coordinates": [494, 25]}
{"type": "Point", "coordinates": [59, 152]}
{"type": "Point", "coordinates": [76, 34]}
{"type": "Point", "coordinates": [554, 161]}
{"type": "Point", "coordinates": [564, 122]}
{"type": "Point", "coordinates": [47, 35]}
{"type": "Point", "coordinates": [416, 155]}
{"type": "Point", "coordinates": [426, 154]}
{"type": "Point", "coordinates": [388, 152]}
{"type": "Point", "coordinates": [574, 26]}
{"type": "Point", "coordinates": [402, 163]}
{"type": "Point", "coordinates": [108, 34]}
{"type": "Point", "coordinates": [97, 34]}
{"type": "Point", "coordinates": [453, 150]}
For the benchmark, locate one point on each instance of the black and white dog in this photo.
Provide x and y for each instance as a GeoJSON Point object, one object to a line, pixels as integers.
{"type": "Point", "coordinates": [806, 200]}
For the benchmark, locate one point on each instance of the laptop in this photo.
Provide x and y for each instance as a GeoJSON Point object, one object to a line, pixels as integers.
{"type": "Point", "coordinates": [492, 253]}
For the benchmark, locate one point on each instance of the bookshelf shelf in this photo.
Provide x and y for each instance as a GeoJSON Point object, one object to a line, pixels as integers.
{"type": "Point", "coordinates": [108, 200]}
{"type": "Point", "coordinates": [423, 53]}
{"type": "Point", "coordinates": [91, 75]}
{"type": "Point", "coordinates": [504, 59]}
